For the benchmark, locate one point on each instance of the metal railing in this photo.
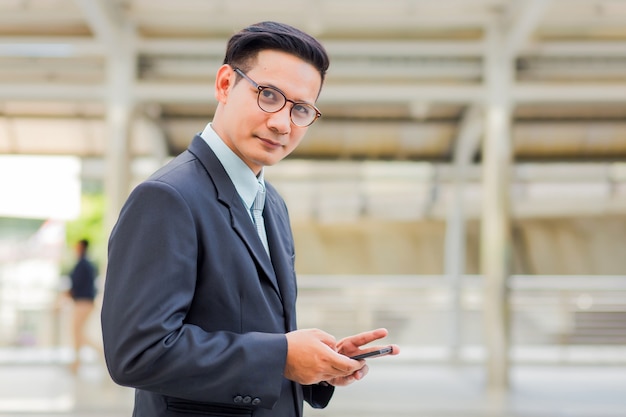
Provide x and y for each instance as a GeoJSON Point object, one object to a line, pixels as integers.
{"type": "Point", "coordinates": [553, 318]}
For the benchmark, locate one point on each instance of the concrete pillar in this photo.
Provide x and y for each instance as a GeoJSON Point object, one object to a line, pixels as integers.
{"type": "Point", "coordinates": [119, 111]}
{"type": "Point", "coordinates": [454, 268]}
{"type": "Point", "coordinates": [495, 226]}
{"type": "Point", "coordinates": [467, 140]}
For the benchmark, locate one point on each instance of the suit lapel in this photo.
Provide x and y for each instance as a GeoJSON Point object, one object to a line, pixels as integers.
{"type": "Point", "coordinates": [240, 219]}
{"type": "Point", "coordinates": [244, 227]}
{"type": "Point", "coordinates": [280, 242]}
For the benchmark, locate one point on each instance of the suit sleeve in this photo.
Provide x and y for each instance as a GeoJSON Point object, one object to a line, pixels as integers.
{"type": "Point", "coordinates": [150, 282]}
{"type": "Point", "coordinates": [318, 396]}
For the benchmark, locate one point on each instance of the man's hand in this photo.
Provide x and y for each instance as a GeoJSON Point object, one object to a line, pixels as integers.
{"type": "Point", "coordinates": [351, 346]}
{"type": "Point", "coordinates": [312, 357]}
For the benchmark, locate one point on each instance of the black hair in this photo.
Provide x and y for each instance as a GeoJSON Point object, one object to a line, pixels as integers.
{"type": "Point", "coordinates": [243, 47]}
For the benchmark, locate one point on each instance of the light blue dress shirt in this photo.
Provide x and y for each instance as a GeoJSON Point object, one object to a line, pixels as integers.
{"type": "Point", "coordinates": [246, 183]}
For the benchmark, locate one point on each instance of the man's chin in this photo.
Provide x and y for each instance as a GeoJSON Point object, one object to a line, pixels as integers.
{"type": "Point", "coordinates": [272, 158]}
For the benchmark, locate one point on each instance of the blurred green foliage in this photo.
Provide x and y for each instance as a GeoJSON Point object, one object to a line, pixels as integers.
{"type": "Point", "coordinates": [90, 225]}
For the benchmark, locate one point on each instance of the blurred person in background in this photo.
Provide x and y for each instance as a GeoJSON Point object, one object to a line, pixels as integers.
{"type": "Point", "coordinates": [199, 301]}
{"type": "Point", "coordinates": [83, 293]}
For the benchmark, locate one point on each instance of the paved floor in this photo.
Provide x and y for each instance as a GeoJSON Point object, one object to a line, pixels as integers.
{"type": "Point", "coordinates": [395, 387]}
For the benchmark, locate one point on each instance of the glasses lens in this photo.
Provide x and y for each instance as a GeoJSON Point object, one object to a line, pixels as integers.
{"type": "Point", "coordinates": [271, 100]}
{"type": "Point", "coordinates": [303, 114]}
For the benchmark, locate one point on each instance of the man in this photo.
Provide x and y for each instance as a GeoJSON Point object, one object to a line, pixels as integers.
{"type": "Point", "coordinates": [82, 293]}
{"type": "Point", "coordinates": [199, 302]}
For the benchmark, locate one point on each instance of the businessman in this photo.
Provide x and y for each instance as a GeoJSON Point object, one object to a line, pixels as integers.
{"type": "Point", "coordinates": [199, 301]}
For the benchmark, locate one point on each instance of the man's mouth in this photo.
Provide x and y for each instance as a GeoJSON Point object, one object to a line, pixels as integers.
{"type": "Point", "coordinates": [270, 142]}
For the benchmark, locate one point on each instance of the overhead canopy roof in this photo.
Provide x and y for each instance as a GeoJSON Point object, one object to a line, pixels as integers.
{"type": "Point", "coordinates": [406, 76]}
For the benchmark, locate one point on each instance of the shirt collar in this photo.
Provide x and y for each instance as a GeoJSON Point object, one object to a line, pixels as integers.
{"type": "Point", "coordinates": [244, 180]}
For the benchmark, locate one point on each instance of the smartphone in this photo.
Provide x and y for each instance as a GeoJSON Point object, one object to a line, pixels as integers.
{"type": "Point", "coordinates": [379, 352]}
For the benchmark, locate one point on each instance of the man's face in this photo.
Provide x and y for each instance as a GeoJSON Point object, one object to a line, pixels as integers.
{"type": "Point", "coordinates": [257, 137]}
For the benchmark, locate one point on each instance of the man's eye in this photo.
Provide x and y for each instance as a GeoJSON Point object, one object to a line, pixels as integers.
{"type": "Point", "coordinates": [268, 95]}
{"type": "Point", "coordinates": [302, 109]}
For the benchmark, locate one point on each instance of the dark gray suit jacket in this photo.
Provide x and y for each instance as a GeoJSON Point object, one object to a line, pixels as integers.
{"type": "Point", "coordinates": [194, 312]}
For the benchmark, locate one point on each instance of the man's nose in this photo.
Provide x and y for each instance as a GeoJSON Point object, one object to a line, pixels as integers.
{"type": "Point", "coordinates": [281, 120]}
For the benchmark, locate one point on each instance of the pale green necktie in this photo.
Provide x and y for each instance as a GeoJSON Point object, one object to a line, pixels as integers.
{"type": "Point", "coordinates": [257, 215]}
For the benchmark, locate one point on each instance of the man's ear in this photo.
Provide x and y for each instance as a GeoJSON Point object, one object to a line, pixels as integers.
{"type": "Point", "coordinates": [224, 80]}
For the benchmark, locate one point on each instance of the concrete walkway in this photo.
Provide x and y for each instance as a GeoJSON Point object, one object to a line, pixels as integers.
{"type": "Point", "coordinates": [395, 387]}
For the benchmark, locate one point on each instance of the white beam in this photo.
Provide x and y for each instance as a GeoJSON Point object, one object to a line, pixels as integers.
{"type": "Point", "coordinates": [104, 18]}
{"type": "Point", "coordinates": [183, 46]}
{"type": "Point", "coordinates": [615, 48]}
{"type": "Point", "coordinates": [495, 245]}
{"type": "Point", "coordinates": [467, 140]}
{"type": "Point", "coordinates": [343, 70]}
{"type": "Point", "coordinates": [118, 36]}
{"type": "Point", "coordinates": [29, 16]}
{"type": "Point", "coordinates": [356, 93]}
{"type": "Point", "coordinates": [394, 93]}
{"type": "Point", "coordinates": [469, 134]}
{"type": "Point", "coordinates": [53, 92]}
{"type": "Point", "coordinates": [614, 92]}
{"type": "Point", "coordinates": [372, 48]}
{"type": "Point", "coordinates": [524, 23]}
{"type": "Point", "coordinates": [329, 21]}
{"type": "Point", "coordinates": [153, 130]}
{"type": "Point", "coordinates": [201, 47]}
{"type": "Point", "coordinates": [120, 104]}
{"type": "Point", "coordinates": [570, 93]}
{"type": "Point", "coordinates": [49, 47]}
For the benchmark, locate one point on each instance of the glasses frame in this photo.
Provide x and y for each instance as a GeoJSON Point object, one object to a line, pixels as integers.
{"type": "Point", "coordinates": [260, 88]}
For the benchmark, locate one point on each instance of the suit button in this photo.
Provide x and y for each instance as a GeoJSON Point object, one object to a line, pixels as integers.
{"type": "Point", "coordinates": [256, 401]}
{"type": "Point", "coordinates": [238, 399]}
{"type": "Point", "coordinates": [247, 399]}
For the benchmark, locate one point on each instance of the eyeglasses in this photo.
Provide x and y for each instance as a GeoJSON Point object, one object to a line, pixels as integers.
{"type": "Point", "coordinates": [272, 100]}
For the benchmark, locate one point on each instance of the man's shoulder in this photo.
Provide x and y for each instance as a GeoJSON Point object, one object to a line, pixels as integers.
{"type": "Point", "coordinates": [179, 162]}
{"type": "Point", "coordinates": [179, 171]}
{"type": "Point", "coordinates": [193, 161]}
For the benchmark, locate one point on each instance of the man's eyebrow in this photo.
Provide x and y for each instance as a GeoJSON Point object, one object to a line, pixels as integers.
{"type": "Point", "coordinates": [285, 94]}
